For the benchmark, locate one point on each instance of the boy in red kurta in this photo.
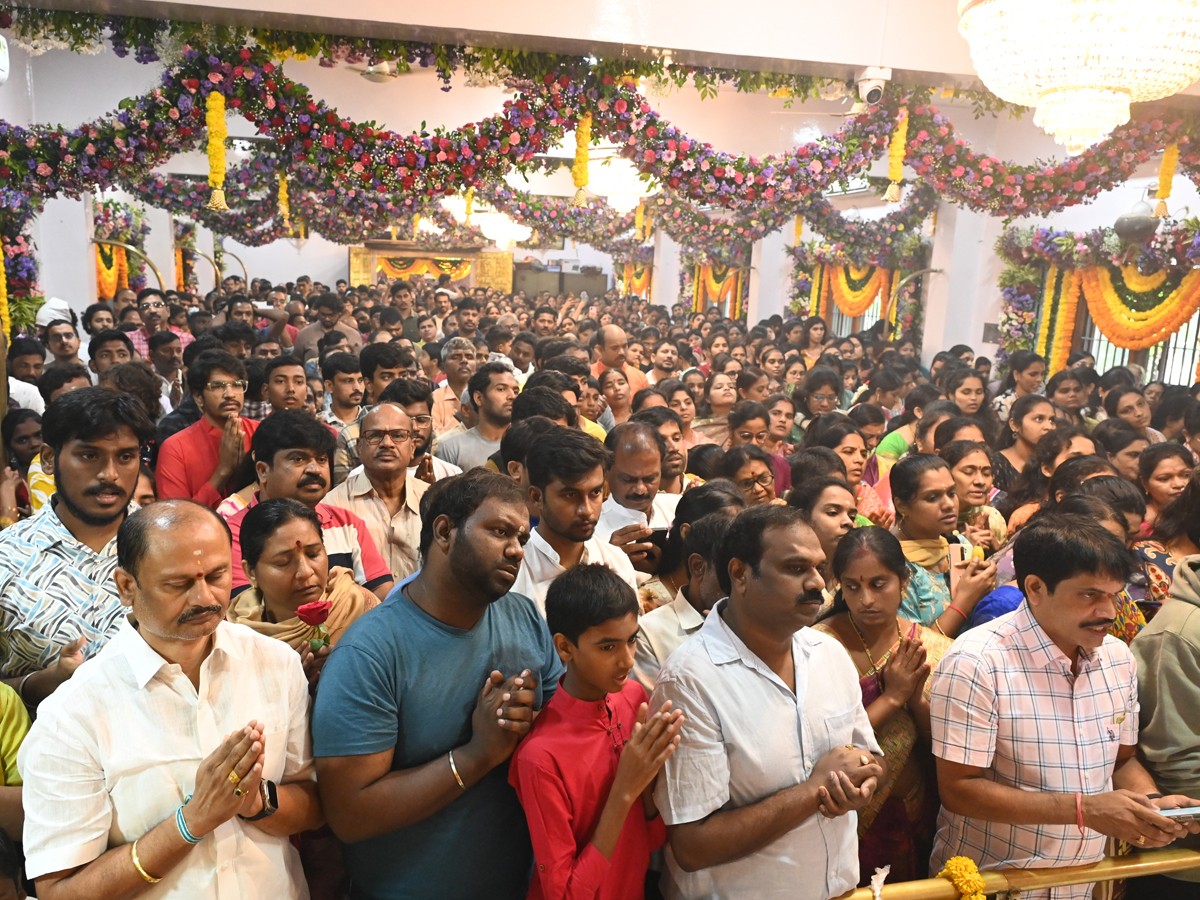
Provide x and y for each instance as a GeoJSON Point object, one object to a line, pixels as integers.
{"type": "Point", "coordinates": [584, 772]}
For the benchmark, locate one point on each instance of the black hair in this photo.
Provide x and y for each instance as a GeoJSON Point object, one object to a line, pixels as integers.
{"type": "Point", "coordinates": [706, 461]}
{"type": "Point", "coordinates": [1091, 507]}
{"type": "Point", "coordinates": [1173, 407]}
{"type": "Point", "coordinates": [200, 371]}
{"type": "Point", "coordinates": [741, 455]}
{"type": "Point", "coordinates": [746, 538]}
{"type": "Point", "coordinates": [383, 356]}
{"type": "Point", "coordinates": [555, 380]}
{"type": "Point", "coordinates": [700, 502]}
{"type": "Point", "coordinates": [705, 537]}
{"type": "Point", "coordinates": [920, 397]}
{"type": "Point", "coordinates": [1147, 462]}
{"type": "Point", "coordinates": [566, 454]}
{"type": "Point", "coordinates": [956, 451]}
{"type": "Point", "coordinates": [458, 496]}
{"type": "Point", "coordinates": [290, 429]}
{"type": "Point", "coordinates": [543, 401]}
{"type": "Point", "coordinates": [889, 378]}
{"type": "Point", "coordinates": [162, 338]}
{"type": "Point", "coordinates": [340, 363]}
{"type": "Point", "coordinates": [815, 462]}
{"type": "Point", "coordinates": [745, 410]}
{"type": "Point", "coordinates": [1119, 493]}
{"type": "Point", "coordinates": [1019, 362]}
{"type": "Point", "coordinates": [1061, 377]}
{"type": "Point", "coordinates": [1114, 435]}
{"type": "Point", "coordinates": [55, 376]}
{"type": "Point", "coordinates": [235, 331]}
{"type": "Point", "coordinates": [204, 344]}
{"type": "Point", "coordinates": [481, 380]}
{"type": "Point", "coordinates": [515, 444]}
{"type": "Point", "coordinates": [91, 311]}
{"type": "Point", "coordinates": [875, 541]}
{"type": "Point", "coordinates": [1073, 473]}
{"type": "Point", "coordinates": [830, 430]}
{"type": "Point", "coordinates": [137, 381]}
{"type": "Point", "coordinates": [93, 413]}
{"type": "Point", "coordinates": [815, 379]}
{"type": "Point", "coordinates": [133, 537]}
{"type": "Point", "coordinates": [99, 339]}
{"type": "Point", "coordinates": [748, 377]}
{"type": "Point", "coordinates": [328, 301]}
{"type": "Point", "coordinates": [805, 497]}
{"type": "Point", "coordinates": [587, 596]}
{"type": "Point", "coordinates": [1182, 515]}
{"type": "Point", "coordinates": [263, 519]}
{"type": "Point", "coordinates": [946, 430]}
{"type": "Point", "coordinates": [1056, 547]}
{"type": "Point", "coordinates": [332, 339]}
{"type": "Point", "coordinates": [1112, 400]}
{"type": "Point", "coordinates": [1117, 376]}
{"type": "Point", "coordinates": [1032, 484]}
{"type": "Point", "coordinates": [868, 414]}
{"type": "Point", "coordinates": [281, 362]}
{"type": "Point", "coordinates": [907, 473]}
{"type": "Point", "coordinates": [13, 419]}
{"type": "Point", "coordinates": [406, 391]}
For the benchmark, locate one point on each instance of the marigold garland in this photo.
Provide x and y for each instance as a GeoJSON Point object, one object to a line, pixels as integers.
{"type": "Point", "coordinates": [1166, 174]}
{"type": "Point", "coordinates": [284, 201]}
{"type": "Point", "coordinates": [798, 231]}
{"type": "Point", "coordinates": [854, 289]}
{"type": "Point", "coordinates": [5, 313]}
{"type": "Point", "coordinates": [1064, 323]}
{"type": "Point", "coordinates": [962, 872]}
{"type": "Point", "coordinates": [214, 120]}
{"type": "Point", "coordinates": [896, 150]}
{"type": "Point", "coordinates": [469, 205]}
{"type": "Point", "coordinates": [106, 272]}
{"type": "Point", "coordinates": [122, 264]}
{"type": "Point", "coordinates": [1133, 329]}
{"type": "Point", "coordinates": [180, 280]}
{"type": "Point", "coordinates": [1050, 293]}
{"type": "Point", "coordinates": [579, 168]}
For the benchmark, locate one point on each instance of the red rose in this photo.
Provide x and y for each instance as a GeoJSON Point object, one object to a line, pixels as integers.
{"type": "Point", "coordinates": [314, 613]}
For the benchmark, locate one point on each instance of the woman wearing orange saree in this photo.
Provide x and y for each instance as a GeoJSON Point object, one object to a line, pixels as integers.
{"type": "Point", "coordinates": [894, 658]}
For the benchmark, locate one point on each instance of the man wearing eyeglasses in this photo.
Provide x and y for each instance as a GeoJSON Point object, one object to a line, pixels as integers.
{"type": "Point", "coordinates": [381, 492]}
{"type": "Point", "coordinates": [200, 462]}
{"type": "Point", "coordinates": [152, 304]}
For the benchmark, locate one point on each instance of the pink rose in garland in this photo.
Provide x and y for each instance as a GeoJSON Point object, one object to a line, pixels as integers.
{"type": "Point", "coordinates": [314, 615]}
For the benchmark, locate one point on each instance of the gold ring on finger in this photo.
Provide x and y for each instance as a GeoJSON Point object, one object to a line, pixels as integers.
{"type": "Point", "coordinates": [238, 792]}
{"type": "Point", "coordinates": [1141, 840]}
{"type": "Point", "coordinates": [234, 777]}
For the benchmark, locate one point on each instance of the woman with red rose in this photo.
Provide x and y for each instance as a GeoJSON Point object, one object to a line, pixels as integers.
{"type": "Point", "coordinates": [294, 595]}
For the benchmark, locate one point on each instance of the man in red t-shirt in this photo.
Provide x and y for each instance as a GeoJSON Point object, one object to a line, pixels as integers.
{"type": "Point", "coordinates": [199, 462]}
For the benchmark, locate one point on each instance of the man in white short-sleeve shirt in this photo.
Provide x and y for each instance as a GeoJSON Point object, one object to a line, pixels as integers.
{"type": "Point", "coordinates": [177, 761]}
{"type": "Point", "coordinates": [777, 753]}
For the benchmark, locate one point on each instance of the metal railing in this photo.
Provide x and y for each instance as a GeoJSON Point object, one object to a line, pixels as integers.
{"type": "Point", "coordinates": [1010, 882]}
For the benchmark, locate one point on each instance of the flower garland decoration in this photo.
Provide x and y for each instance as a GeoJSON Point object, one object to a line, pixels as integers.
{"type": "Point", "coordinates": [115, 221]}
{"type": "Point", "coordinates": [185, 255]}
{"type": "Point", "coordinates": [893, 241]}
{"type": "Point", "coordinates": [963, 873]}
{"type": "Point", "coordinates": [1166, 174]}
{"type": "Point", "coordinates": [18, 265]}
{"type": "Point", "coordinates": [1136, 321]}
{"type": "Point", "coordinates": [579, 168]}
{"type": "Point", "coordinates": [896, 151]}
{"type": "Point", "coordinates": [5, 313]}
{"type": "Point", "coordinates": [1059, 313]}
{"type": "Point", "coordinates": [854, 289]}
{"type": "Point", "coordinates": [108, 276]}
{"type": "Point", "coordinates": [282, 201]}
{"type": "Point", "coordinates": [217, 133]}
{"type": "Point", "coordinates": [468, 205]}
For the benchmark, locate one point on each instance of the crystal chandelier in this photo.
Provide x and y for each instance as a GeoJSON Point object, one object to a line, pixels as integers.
{"type": "Point", "coordinates": [1080, 63]}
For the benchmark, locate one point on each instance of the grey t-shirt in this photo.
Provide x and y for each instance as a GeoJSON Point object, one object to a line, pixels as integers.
{"type": "Point", "coordinates": [467, 450]}
{"type": "Point", "coordinates": [400, 679]}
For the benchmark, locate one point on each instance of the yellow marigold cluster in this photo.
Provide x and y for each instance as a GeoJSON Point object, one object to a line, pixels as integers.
{"type": "Point", "coordinates": [962, 872]}
{"type": "Point", "coordinates": [285, 206]}
{"type": "Point", "coordinates": [579, 168]}
{"type": "Point", "coordinates": [1166, 174]}
{"type": "Point", "coordinates": [214, 120]}
{"type": "Point", "coordinates": [5, 313]}
{"type": "Point", "coordinates": [896, 151]}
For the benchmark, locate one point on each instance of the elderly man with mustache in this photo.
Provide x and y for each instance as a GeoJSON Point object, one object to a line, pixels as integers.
{"type": "Point", "coordinates": [292, 457]}
{"type": "Point", "coordinates": [381, 491]}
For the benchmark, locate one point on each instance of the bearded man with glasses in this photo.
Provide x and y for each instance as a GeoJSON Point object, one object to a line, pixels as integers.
{"type": "Point", "coordinates": [201, 462]}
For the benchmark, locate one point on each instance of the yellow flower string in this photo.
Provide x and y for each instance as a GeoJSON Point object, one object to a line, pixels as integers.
{"type": "Point", "coordinates": [798, 231]}
{"type": "Point", "coordinates": [180, 282]}
{"type": "Point", "coordinates": [639, 219]}
{"type": "Point", "coordinates": [896, 150]}
{"type": "Point", "coordinates": [285, 206]}
{"type": "Point", "coordinates": [1043, 339]}
{"type": "Point", "coordinates": [121, 262]}
{"type": "Point", "coordinates": [470, 204]}
{"type": "Point", "coordinates": [214, 119]}
{"type": "Point", "coordinates": [5, 313]}
{"type": "Point", "coordinates": [579, 168]}
{"type": "Point", "coordinates": [1128, 328]}
{"type": "Point", "coordinates": [416, 225]}
{"type": "Point", "coordinates": [1064, 323]}
{"type": "Point", "coordinates": [1166, 174]}
{"type": "Point", "coordinates": [962, 872]}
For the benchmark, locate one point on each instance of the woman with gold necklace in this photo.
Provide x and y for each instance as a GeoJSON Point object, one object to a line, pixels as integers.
{"type": "Point", "coordinates": [894, 658]}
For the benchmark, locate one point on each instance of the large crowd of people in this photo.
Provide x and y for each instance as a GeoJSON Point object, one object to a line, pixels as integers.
{"type": "Point", "coordinates": [412, 590]}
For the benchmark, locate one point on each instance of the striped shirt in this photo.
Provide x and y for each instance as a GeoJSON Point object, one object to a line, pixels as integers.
{"type": "Point", "coordinates": [1004, 699]}
{"type": "Point", "coordinates": [53, 589]}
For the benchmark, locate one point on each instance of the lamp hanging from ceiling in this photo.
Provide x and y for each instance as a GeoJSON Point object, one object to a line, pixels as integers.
{"type": "Point", "coordinates": [1080, 63]}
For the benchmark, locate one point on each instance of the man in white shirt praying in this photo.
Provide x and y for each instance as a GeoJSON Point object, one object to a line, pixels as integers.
{"type": "Point", "coordinates": [635, 507]}
{"type": "Point", "coordinates": [177, 762]}
{"type": "Point", "coordinates": [565, 468]}
{"type": "Point", "coordinates": [777, 753]}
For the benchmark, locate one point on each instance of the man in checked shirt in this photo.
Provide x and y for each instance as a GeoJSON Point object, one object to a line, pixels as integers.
{"type": "Point", "coordinates": [1035, 719]}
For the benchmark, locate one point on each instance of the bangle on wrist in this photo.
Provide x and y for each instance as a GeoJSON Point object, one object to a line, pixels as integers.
{"type": "Point", "coordinates": [1079, 812]}
{"type": "Point", "coordinates": [21, 687]}
{"type": "Point", "coordinates": [454, 770]}
{"type": "Point", "coordinates": [137, 864]}
{"type": "Point", "coordinates": [956, 609]}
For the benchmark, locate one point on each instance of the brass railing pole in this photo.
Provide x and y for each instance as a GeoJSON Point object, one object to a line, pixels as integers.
{"type": "Point", "coordinates": [216, 269]}
{"type": "Point", "coordinates": [887, 309]}
{"type": "Point", "coordinates": [162, 286]}
{"type": "Point", "coordinates": [245, 271]}
{"type": "Point", "coordinates": [1156, 862]}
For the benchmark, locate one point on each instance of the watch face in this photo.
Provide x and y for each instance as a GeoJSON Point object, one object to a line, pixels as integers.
{"type": "Point", "coordinates": [270, 796]}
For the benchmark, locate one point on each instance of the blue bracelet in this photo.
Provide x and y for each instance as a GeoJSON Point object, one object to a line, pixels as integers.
{"type": "Point", "coordinates": [182, 825]}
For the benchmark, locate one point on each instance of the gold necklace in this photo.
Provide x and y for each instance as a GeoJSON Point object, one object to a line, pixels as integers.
{"type": "Point", "coordinates": [876, 667]}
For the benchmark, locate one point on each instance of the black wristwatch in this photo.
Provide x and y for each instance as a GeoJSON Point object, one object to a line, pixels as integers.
{"type": "Point", "coordinates": [270, 799]}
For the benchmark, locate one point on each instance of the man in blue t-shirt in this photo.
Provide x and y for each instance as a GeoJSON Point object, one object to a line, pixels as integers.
{"type": "Point", "coordinates": [424, 700]}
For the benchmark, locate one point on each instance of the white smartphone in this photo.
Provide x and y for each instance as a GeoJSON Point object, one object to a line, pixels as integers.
{"type": "Point", "coordinates": [1183, 812]}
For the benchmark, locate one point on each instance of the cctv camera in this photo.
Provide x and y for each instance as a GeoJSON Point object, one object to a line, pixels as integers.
{"type": "Point", "coordinates": [871, 82]}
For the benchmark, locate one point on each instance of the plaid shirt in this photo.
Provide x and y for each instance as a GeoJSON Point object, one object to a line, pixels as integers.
{"type": "Point", "coordinates": [1004, 699]}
